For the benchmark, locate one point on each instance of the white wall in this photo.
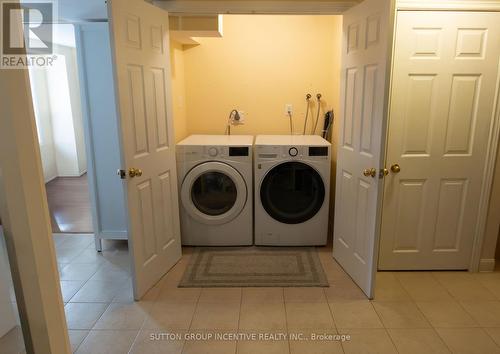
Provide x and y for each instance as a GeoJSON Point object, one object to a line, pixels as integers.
{"type": "Point", "coordinates": [56, 96]}
{"type": "Point", "coordinates": [75, 98]}
{"type": "Point", "coordinates": [62, 123]}
{"type": "Point", "coordinates": [66, 113]}
{"type": "Point", "coordinates": [38, 78]}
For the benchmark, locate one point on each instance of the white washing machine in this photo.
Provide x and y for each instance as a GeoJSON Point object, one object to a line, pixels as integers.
{"type": "Point", "coordinates": [215, 189]}
{"type": "Point", "coordinates": [292, 190]}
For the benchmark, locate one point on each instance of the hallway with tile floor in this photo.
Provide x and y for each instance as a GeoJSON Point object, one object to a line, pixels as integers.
{"type": "Point", "coordinates": [413, 312]}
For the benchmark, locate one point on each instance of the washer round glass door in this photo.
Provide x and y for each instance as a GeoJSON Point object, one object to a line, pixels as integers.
{"type": "Point", "coordinates": [213, 193]}
{"type": "Point", "coordinates": [292, 192]}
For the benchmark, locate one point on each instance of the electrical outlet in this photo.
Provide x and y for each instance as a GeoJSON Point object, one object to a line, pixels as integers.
{"type": "Point", "coordinates": [288, 109]}
{"type": "Point", "coordinates": [242, 115]}
{"type": "Point", "coordinates": [237, 118]}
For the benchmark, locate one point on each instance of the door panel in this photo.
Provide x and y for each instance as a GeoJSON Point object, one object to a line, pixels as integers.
{"type": "Point", "coordinates": [349, 108]}
{"type": "Point", "coordinates": [417, 115]}
{"type": "Point", "coordinates": [168, 233]}
{"type": "Point", "coordinates": [361, 244]}
{"type": "Point", "coordinates": [369, 108]}
{"type": "Point", "coordinates": [444, 81]}
{"type": "Point", "coordinates": [451, 203]}
{"type": "Point", "coordinates": [364, 59]}
{"type": "Point", "coordinates": [159, 106]}
{"type": "Point", "coordinates": [462, 115]}
{"type": "Point", "coordinates": [140, 39]}
{"type": "Point", "coordinates": [135, 91]}
{"type": "Point", "coordinates": [145, 202]}
{"type": "Point", "coordinates": [347, 212]}
{"type": "Point", "coordinates": [410, 197]}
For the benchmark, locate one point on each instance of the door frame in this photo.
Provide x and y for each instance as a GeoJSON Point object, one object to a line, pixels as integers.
{"type": "Point", "coordinates": [448, 5]}
{"type": "Point", "coordinates": [27, 227]}
{"type": "Point", "coordinates": [475, 264]}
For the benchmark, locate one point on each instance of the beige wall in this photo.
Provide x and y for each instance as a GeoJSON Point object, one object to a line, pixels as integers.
{"type": "Point", "coordinates": [262, 63]}
{"type": "Point", "coordinates": [178, 90]}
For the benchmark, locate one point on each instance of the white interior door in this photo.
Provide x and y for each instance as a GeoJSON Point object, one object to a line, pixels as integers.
{"type": "Point", "coordinates": [140, 43]}
{"type": "Point", "coordinates": [444, 82]}
{"type": "Point", "coordinates": [365, 52]}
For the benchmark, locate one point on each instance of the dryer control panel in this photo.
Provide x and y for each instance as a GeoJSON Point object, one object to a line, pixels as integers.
{"type": "Point", "coordinates": [293, 152]}
{"type": "Point", "coordinates": [318, 150]}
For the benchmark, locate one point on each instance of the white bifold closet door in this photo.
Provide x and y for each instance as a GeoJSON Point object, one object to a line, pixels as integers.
{"type": "Point", "coordinates": [442, 104]}
{"type": "Point", "coordinates": [365, 51]}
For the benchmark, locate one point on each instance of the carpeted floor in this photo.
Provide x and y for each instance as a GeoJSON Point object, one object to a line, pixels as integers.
{"type": "Point", "coordinates": [254, 267]}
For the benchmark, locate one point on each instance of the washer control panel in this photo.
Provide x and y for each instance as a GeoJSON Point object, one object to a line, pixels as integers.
{"type": "Point", "coordinates": [238, 152]}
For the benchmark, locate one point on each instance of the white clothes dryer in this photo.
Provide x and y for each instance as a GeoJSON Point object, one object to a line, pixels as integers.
{"type": "Point", "coordinates": [292, 190]}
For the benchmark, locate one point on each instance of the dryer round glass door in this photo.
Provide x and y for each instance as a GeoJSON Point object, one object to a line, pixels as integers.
{"type": "Point", "coordinates": [213, 193]}
{"type": "Point", "coordinates": [292, 192]}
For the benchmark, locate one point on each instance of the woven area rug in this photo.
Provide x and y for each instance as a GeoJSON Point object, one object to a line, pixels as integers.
{"type": "Point", "coordinates": [254, 267]}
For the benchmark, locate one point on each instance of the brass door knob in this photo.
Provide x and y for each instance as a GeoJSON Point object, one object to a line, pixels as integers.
{"type": "Point", "coordinates": [396, 168]}
{"type": "Point", "coordinates": [383, 172]}
{"type": "Point", "coordinates": [133, 172]}
{"type": "Point", "coordinates": [370, 172]}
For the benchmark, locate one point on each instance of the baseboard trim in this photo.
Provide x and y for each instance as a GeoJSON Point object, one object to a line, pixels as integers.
{"type": "Point", "coordinates": [50, 179]}
{"type": "Point", "coordinates": [486, 265]}
{"type": "Point", "coordinates": [112, 235]}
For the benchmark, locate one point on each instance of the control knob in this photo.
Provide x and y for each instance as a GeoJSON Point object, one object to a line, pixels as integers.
{"type": "Point", "coordinates": [293, 151]}
{"type": "Point", "coordinates": [212, 152]}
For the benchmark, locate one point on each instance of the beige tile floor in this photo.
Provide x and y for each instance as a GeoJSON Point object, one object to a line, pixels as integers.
{"type": "Point", "coordinates": [413, 312]}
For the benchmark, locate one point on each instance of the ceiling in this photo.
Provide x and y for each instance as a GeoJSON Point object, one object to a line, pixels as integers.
{"type": "Point", "coordinates": [94, 10]}
{"type": "Point", "coordinates": [256, 6]}
{"type": "Point", "coordinates": [78, 10]}
{"type": "Point", "coordinates": [64, 34]}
